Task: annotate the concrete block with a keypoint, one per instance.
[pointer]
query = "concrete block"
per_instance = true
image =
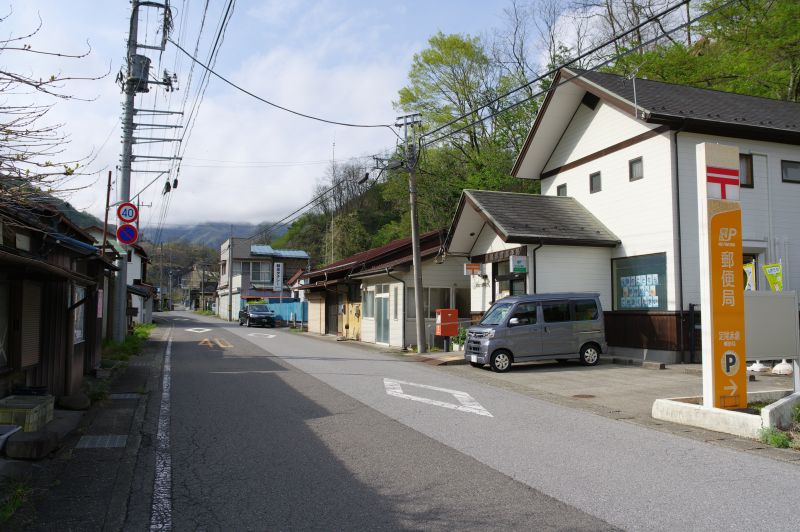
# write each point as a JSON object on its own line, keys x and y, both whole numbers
{"x": 64, "y": 423}
{"x": 78, "y": 401}
{"x": 31, "y": 445}
{"x": 649, "y": 364}
{"x": 779, "y": 413}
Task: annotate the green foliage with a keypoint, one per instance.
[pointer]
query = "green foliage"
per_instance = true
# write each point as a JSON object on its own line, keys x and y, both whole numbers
{"x": 796, "y": 414}
{"x": 14, "y": 494}
{"x": 205, "y": 312}
{"x": 132, "y": 345}
{"x": 97, "y": 390}
{"x": 461, "y": 337}
{"x": 751, "y": 47}
{"x": 775, "y": 437}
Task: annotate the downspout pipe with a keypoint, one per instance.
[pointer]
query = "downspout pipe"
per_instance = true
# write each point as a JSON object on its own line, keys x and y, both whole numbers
{"x": 404, "y": 304}
{"x": 679, "y": 247}
{"x": 533, "y": 265}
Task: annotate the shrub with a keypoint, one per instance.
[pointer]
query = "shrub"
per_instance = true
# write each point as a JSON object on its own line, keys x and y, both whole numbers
{"x": 13, "y": 495}
{"x": 461, "y": 337}
{"x": 796, "y": 414}
{"x": 775, "y": 438}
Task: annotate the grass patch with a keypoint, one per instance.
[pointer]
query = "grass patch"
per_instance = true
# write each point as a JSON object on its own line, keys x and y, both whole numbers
{"x": 205, "y": 312}
{"x": 14, "y": 493}
{"x": 775, "y": 438}
{"x": 757, "y": 406}
{"x": 97, "y": 389}
{"x": 132, "y": 345}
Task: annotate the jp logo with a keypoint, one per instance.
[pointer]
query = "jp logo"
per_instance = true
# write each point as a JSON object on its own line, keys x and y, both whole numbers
{"x": 730, "y": 363}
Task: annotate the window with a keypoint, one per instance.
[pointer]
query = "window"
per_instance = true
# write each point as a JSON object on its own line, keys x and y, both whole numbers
{"x": 790, "y": 171}
{"x": 369, "y": 304}
{"x": 585, "y": 310}
{"x": 354, "y": 293}
{"x": 525, "y": 313}
{"x": 259, "y": 271}
{"x": 255, "y": 271}
{"x": 432, "y": 298}
{"x": 640, "y": 283}
{"x": 594, "y": 183}
{"x": 555, "y": 311}
{"x": 746, "y": 170}
{"x": 223, "y": 268}
{"x": 561, "y": 190}
{"x": 394, "y": 298}
{"x": 635, "y": 169}
{"x": 130, "y": 255}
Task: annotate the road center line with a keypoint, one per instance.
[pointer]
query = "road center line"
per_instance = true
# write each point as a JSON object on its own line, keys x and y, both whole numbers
{"x": 161, "y": 512}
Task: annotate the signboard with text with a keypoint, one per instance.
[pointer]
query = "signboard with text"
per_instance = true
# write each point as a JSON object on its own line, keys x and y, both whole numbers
{"x": 721, "y": 279}
{"x": 277, "y": 276}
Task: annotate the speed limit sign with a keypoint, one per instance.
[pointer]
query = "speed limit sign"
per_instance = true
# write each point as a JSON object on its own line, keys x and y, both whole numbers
{"x": 127, "y": 212}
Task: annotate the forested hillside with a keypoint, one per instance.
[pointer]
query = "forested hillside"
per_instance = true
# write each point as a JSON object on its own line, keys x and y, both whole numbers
{"x": 750, "y": 47}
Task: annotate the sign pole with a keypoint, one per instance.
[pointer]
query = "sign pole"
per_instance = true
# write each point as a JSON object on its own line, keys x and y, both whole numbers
{"x": 721, "y": 280}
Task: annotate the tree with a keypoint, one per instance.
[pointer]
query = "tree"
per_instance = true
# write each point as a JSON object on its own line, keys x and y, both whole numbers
{"x": 31, "y": 164}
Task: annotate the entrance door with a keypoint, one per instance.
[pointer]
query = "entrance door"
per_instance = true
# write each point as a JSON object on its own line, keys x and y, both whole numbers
{"x": 525, "y": 338}
{"x": 382, "y": 314}
{"x": 331, "y": 313}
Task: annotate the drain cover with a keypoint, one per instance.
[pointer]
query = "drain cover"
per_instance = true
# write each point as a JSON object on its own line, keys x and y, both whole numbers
{"x": 583, "y": 396}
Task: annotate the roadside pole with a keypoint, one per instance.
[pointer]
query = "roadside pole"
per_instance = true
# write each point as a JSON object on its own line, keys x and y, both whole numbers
{"x": 124, "y": 188}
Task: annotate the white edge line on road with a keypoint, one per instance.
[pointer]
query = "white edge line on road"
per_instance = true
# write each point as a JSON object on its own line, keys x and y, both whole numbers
{"x": 468, "y": 403}
{"x": 161, "y": 513}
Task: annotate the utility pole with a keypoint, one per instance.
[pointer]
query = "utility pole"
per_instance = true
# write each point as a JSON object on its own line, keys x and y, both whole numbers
{"x": 230, "y": 276}
{"x": 203, "y": 287}
{"x": 105, "y": 222}
{"x": 124, "y": 189}
{"x": 136, "y": 79}
{"x": 407, "y": 122}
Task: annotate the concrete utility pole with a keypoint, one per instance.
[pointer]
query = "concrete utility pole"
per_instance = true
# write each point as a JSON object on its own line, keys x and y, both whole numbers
{"x": 124, "y": 188}
{"x": 230, "y": 276}
{"x": 408, "y": 122}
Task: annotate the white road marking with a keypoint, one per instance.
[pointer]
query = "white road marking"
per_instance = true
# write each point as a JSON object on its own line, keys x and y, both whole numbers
{"x": 257, "y": 372}
{"x": 161, "y": 511}
{"x": 466, "y": 402}
{"x": 179, "y": 319}
{"x": 262, "y": 335}
{"x": 197, "y": 330}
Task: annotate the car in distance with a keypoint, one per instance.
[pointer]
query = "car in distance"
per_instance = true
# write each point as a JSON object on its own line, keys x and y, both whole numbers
{"x": 525, "y": 328}
{"x": 256, "y": 315}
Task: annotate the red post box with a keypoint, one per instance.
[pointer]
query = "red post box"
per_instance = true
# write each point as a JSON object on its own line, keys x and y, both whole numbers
{"x": 446, "y": 322}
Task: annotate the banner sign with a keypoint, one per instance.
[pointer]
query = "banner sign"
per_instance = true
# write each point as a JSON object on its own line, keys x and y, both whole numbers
{"x": 277, "y": 276}
{"x": 472, "y": 268}
{"x": 721, "y": 280}
{"x": 750, "y": 276}
{"x": 518, "y": 264}
{"x": 774, "y": 275}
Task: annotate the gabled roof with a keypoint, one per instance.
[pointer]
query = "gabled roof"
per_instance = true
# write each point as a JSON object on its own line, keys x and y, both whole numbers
{"x": 390, "y": 255}
{"x": 528, "y": 219}
{"x": 658, "y": 103}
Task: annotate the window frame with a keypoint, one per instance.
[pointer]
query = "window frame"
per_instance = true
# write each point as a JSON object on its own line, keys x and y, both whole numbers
{"x": 560, "y": 188}
{"x": 783, "y": 173}
{"x": 599, "y": 182}
{"x": 747, "y": 158}
{"x": 631, "y": 163}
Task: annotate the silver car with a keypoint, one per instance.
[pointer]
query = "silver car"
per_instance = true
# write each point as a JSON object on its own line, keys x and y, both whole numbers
{"x": 541, "y": 326}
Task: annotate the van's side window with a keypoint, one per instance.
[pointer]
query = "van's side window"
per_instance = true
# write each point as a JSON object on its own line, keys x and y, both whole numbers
{"x": 555, "y": 311}
{"x": 525, "y": 313}
{"x": 585, "y": 310}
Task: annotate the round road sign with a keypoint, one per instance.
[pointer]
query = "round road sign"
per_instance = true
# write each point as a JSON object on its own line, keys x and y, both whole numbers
{"x": 127, "y": 234}
{"x": 127, "y": 212}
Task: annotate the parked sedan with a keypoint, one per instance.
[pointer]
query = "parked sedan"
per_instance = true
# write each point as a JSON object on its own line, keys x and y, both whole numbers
{"x": 259, "y": 315}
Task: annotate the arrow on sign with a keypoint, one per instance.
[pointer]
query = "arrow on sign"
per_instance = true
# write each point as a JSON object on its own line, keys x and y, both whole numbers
{"x": 732, "y": 387}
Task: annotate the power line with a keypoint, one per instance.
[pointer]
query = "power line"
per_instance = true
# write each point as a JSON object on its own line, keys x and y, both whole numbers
{"x": 578, "y": 75}
{"x": 259, "y": 98}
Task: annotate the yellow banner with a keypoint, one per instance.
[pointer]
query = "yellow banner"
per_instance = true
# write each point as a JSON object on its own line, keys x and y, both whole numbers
{"x": 774, "y": 275}
{"x": 727, "y": 300}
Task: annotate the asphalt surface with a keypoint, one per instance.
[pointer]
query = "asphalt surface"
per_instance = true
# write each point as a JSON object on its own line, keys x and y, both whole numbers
{"x": 269, "y": 431}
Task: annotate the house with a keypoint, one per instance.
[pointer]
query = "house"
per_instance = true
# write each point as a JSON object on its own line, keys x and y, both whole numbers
{"x": 199, "y": 285}
{"x": 625, "y": 150}
{"x": 51, "y": 293}
{"x": 369, "y": 296}
{"x": 254, "y": 271}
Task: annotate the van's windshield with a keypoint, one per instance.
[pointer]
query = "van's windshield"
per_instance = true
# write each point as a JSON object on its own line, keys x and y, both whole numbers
{"x": 496, "y": 314}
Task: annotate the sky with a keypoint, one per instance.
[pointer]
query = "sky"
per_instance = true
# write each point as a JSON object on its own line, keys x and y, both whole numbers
{"x": 243, "y": 161}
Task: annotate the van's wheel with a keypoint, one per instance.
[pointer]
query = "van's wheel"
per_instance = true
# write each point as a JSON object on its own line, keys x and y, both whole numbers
{"x": 500, "y": 361}
{"x": 590, "y": 355}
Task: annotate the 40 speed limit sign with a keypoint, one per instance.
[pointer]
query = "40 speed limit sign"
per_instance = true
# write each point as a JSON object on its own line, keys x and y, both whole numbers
{"x": 127, "y": 212}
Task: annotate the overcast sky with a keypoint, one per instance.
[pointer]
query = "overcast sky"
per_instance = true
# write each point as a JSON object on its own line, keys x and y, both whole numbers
{"x": 244, "y": 161}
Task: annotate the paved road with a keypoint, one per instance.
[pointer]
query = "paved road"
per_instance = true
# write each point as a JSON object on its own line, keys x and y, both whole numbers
{"x": 285, "y": 431}
{"x": 259, "y": 444}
